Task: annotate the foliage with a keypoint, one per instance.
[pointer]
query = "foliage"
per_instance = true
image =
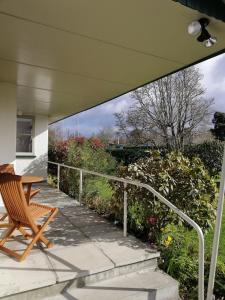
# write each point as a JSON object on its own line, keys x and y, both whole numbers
{"x": 184, "y": 182}
{"x": 90, "y": 154}
{"x": 166, "y": 111}
{"x": 179, "y": 259}
{"x": 210, "y": 153}
{"x": 128, "y": 155}
{"x": 52, "y": 180}
{"x": 138, "y": 213}
{"x": 219, "y": 126}
{"x": 98, "y": 195}
{"x": 87, "y": 154}
{"x": 57, "y": 151}
{"x": 209, "y": 240}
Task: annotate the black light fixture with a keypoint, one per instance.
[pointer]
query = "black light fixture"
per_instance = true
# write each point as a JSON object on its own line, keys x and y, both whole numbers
{"x": 199, "y": 27}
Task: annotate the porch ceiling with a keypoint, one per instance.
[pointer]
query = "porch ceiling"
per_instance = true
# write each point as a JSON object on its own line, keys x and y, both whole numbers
{"x": 66, "y": 56}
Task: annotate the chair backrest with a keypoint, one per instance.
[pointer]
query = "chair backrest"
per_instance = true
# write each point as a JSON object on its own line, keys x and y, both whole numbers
{"x": 12, "y": 193}
{"x": 7, "y": 168}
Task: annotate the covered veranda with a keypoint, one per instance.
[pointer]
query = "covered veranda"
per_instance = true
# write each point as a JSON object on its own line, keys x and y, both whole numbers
{"x": 58, "y": 58}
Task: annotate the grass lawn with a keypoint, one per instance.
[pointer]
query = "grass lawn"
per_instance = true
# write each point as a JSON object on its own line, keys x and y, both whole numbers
{"x": 209, "y": 240}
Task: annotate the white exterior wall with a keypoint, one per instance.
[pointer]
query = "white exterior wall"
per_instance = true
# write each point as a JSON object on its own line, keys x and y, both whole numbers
{"x": 37, "y": 164}
{"x": 7, "y": 123}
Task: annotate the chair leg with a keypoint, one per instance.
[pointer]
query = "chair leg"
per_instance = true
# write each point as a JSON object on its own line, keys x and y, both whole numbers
{"x": 24, "y": 233}
{"x": 7, "y": 234}
{"x": 4, "y": 217}
{"x": 38, "y": 235}
{"x": 38, "y": 230}
{"x": 43, "y": 239}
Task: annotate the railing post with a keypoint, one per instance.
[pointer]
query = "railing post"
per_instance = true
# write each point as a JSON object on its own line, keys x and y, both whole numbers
{"x": 217, "y": 232}
{"x": 125, "y": 210}
{"x": 201, "y": 263}
{"x": 58, "y": 176}
{"x": 81, "y": 187}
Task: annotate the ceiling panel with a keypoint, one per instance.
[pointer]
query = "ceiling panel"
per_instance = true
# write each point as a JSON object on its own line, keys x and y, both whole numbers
{"x": 66, "y": 56}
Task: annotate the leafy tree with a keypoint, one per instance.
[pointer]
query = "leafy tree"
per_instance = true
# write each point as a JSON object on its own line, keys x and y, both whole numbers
{"x": 168, "y": 110}
{"x": 219, "y": 126}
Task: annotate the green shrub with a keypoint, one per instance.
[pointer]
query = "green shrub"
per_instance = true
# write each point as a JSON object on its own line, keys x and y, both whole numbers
{"x": 98, "y": 194}
{"x": 90, "y": 155}
{"x": 87, "y": 154}
{"x": 185, "y": 183}
{"x": 57, "y": 151}
{"x": 179, "y": 258}
{"x": 210, "y": 153}
{"x": 219, "y": 288}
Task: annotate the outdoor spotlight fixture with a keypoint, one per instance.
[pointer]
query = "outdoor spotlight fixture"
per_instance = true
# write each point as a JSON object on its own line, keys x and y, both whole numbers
{"x": 199, "y": 28}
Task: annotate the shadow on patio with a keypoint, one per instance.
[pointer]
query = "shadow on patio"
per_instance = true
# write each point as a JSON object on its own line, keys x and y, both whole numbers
{"x": 84, "y": 244}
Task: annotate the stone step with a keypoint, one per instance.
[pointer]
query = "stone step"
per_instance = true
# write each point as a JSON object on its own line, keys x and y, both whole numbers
{"x": 140, "y": 285}
{"x": 80, "y": 280}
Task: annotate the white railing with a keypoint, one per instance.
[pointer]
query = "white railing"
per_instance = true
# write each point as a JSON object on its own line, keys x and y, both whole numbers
{"x": 162, "y": 199}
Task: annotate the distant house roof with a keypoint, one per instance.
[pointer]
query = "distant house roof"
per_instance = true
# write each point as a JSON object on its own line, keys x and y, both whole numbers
{"x": 212, "y": 8}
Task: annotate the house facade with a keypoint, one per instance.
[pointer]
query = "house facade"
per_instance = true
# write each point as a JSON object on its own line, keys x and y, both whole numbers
{"x": 24, "y": 137}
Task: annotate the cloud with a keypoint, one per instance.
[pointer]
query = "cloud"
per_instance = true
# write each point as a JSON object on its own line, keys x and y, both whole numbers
{"x": 214, "y": 80}
{"x": 91, "y": 121}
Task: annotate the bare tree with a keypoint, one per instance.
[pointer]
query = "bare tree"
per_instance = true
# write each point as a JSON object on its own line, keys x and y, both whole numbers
{"x": 107, "y": 135}
{"x": 168, "y": 110}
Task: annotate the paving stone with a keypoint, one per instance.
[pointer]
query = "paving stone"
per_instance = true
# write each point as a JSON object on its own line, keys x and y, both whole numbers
{"x": 76, "y": 261}
{"x": 33, "y": 273}
{"x": 84, "y": 244}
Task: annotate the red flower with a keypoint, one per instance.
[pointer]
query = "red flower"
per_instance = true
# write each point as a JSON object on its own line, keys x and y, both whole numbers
{"x": 96, "y": 143}
{"x": 152, "y": 220}
{"x": 79, "y": 139}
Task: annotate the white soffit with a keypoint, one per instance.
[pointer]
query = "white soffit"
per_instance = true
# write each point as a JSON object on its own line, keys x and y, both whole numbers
{"x": 66, "y": 56}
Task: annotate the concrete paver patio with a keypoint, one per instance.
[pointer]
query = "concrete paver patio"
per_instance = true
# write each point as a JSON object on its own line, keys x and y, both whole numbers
{"x": 84, "y": 244}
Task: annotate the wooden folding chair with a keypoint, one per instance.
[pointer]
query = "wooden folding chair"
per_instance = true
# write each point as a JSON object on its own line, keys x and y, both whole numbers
{"x": 9, "y": 168}
{"x": 22, "y": 215}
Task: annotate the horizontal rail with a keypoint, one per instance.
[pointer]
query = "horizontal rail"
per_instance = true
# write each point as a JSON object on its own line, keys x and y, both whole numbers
{"x": 164, "y": 201}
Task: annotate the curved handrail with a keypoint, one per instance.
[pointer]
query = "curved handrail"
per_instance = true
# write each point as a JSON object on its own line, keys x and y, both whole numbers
{"x": 163, "y": 200}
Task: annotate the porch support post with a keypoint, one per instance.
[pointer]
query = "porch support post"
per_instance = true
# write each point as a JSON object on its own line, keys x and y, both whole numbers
{"x": 216, "y": 238}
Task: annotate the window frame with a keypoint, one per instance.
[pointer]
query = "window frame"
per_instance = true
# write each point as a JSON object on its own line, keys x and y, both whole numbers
{"x": 27, "y": 154}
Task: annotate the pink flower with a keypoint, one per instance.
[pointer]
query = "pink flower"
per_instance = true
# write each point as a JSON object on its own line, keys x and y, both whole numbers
{"x": 152, "y": 220}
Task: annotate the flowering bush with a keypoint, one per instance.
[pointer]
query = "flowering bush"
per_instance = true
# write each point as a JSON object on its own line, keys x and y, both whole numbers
{"x": 58, "y": 151}
{"x": 184, "y": 182}
{"x": 87, "y": 154}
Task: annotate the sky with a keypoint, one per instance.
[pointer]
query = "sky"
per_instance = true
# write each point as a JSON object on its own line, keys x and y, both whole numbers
{"x": 90, "y": 122}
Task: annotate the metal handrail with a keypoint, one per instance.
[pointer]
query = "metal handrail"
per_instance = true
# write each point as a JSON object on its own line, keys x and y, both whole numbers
{"x": 201, "y": 251}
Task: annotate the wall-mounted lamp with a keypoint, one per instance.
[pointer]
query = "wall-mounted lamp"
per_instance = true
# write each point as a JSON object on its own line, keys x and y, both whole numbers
{"x": 199, "y": 28}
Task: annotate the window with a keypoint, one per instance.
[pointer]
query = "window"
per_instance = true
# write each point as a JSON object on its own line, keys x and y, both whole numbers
{"x": 24, "y": 135}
